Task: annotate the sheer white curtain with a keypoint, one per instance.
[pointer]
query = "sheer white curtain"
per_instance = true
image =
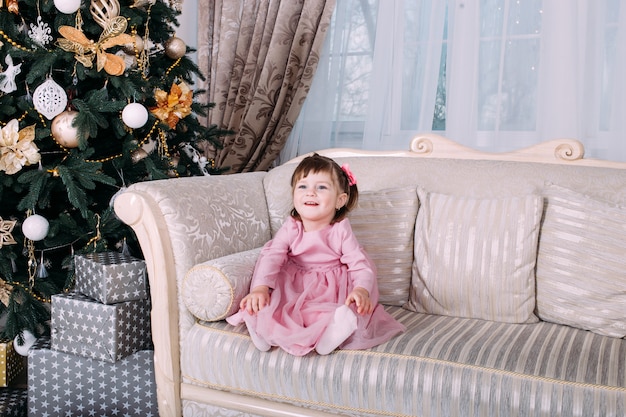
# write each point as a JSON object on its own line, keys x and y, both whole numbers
{"x": 495, "y": 75}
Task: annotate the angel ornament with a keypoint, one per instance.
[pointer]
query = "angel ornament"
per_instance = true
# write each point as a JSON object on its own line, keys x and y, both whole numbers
{"x": 7, "y": 78}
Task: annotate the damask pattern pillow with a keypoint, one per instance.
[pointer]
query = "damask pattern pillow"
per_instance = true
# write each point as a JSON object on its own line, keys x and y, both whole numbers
{"x": 212, "y": 290}
{"x": 475, "y": 258}
{"x": 384, "y": 224}
{"x": 581, "y": 264}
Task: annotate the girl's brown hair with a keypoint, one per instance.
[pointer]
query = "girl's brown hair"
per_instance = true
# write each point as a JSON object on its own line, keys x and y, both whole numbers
{"x": 318, "y": 163}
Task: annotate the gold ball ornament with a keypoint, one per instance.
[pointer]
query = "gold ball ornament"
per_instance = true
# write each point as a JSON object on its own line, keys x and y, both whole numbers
{"x": 175, "y": 48}
{"x": 63, "y": 132}
{"x": 134, "y": 47}
{"x": 137, "y": 155}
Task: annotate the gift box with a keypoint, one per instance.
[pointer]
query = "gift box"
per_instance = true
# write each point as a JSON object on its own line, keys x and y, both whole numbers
{"x": 11, "y": 363}
{"x": 86, "y": 327}
{"x": 111, "y": 277}
{"x": 61, "y": 384}
{"x": 13, "y": 402}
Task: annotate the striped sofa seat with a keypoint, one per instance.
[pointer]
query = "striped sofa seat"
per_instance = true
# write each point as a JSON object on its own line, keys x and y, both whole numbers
{"x": 442, "y": 366}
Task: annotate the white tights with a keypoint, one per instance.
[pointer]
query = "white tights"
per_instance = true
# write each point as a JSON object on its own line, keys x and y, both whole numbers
{"x": 340, "y": 328}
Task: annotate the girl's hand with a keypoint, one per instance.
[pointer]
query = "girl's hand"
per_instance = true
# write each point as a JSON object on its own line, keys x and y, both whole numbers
{"x": 361, "y": 297}
{"x": 258, "y": 298}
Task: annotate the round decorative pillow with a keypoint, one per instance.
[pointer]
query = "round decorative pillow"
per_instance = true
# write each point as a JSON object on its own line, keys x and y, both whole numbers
{"x": 212, "y": 290}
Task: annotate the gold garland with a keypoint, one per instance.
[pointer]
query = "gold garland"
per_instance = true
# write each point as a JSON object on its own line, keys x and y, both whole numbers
{"x": 142, "y": 57}
{"x": 143, "y": 141}
{"x": 23, "y": 116}
{"x": 13, "y": 43}
{"x": 31, "y": 292}
{"x": 172, "y": 67}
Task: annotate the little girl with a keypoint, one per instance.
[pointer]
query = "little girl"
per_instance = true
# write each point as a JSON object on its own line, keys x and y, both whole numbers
{"x": 313, "y": 286}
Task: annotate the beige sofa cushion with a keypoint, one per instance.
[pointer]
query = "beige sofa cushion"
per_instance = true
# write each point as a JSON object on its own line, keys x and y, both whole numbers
{"x": 384, "y": 224}
{"x": 212, "y": 290}
{"x": 581, "y": 264}
{"x": 475, "y": 258}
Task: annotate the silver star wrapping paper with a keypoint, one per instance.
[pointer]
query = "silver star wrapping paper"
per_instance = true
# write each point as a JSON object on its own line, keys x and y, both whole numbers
{"x": 86, "y": 327}
{"x": 111, "y": 277}
{"x": 61, "y": 384}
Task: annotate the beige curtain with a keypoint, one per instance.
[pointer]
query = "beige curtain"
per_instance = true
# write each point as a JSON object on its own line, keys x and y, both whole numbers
{"x": 259, "y": 57}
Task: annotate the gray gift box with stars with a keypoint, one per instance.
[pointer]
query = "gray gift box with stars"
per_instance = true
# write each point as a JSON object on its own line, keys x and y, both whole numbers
{"x": 85, "y": 327}
{"x": 61, "y": 384}
{"x": 111, "y": 277}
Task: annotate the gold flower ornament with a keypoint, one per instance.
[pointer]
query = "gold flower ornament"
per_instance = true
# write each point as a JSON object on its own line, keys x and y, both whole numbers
{"x": 17, "y": 148}
{"x": 174, "y": 106}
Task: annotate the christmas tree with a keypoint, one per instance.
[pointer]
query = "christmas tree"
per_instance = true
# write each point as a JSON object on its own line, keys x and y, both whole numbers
{"x": 94, "y": 96}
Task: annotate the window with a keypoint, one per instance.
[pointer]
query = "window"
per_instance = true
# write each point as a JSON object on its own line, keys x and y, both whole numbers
{"x": 495, "y": 75}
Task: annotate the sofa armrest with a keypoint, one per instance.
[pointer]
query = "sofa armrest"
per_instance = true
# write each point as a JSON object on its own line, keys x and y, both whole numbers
{"x": 139, "y": 212}
{"x": 213, "y": 289}
{"x": 180, "y": 223}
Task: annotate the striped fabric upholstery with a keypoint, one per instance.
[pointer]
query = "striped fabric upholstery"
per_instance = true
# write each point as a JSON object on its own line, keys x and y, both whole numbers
{"x": 442, "y": 366}
{"x": 384, "y": 224}
{"x": 475, "y": 258}
{"x": 581, "y": 262}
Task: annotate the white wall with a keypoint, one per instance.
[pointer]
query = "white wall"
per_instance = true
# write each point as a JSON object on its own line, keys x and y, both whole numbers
{"x": 188, "y": 29}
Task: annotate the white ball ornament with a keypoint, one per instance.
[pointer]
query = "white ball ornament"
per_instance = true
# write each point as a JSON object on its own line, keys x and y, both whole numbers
{"x": 134, "y": 115}
{"x": 35, "y": 227}
{"x": 29, "y": 341}
{"x": 62, "y": 130}
{"x": 67, "y": 6}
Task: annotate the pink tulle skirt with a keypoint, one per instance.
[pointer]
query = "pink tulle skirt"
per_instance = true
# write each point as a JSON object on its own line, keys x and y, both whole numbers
{"x": 302, "y": 306}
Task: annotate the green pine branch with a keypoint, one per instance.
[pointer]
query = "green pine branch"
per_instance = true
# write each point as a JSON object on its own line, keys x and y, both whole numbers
{"x": 79, "y": 175}
{"x": 38, "y": 194}
{"x": 24, "y": 312}
{"x": 92, "y": 114}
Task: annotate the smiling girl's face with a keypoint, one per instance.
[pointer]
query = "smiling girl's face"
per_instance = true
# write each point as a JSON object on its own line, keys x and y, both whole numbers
{"x": 316, "y": 198}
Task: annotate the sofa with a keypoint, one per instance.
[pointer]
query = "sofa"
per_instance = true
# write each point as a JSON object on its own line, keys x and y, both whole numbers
{"x": 507, "y": 269}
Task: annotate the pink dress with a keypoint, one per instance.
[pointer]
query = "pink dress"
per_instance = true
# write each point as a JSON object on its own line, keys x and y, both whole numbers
{"x": 310, "y": 275}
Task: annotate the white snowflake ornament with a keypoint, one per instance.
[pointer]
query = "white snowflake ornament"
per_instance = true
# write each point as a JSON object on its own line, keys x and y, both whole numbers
{"x": 40, "y": 33}
{"x": 7, "y": 83}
